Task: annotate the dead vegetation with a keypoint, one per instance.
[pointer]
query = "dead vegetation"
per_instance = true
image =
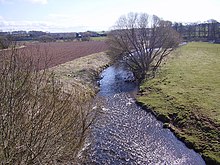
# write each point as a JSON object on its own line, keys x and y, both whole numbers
{"x": 40, "y": 123}
{"x": 82, "y": 72}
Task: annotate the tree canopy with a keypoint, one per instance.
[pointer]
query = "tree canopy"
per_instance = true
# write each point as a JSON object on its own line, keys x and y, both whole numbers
{"x": 142, "y": 41}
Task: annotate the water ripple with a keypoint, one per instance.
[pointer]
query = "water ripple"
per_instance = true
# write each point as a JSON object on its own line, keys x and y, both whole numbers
{"x": 125, "y": 134}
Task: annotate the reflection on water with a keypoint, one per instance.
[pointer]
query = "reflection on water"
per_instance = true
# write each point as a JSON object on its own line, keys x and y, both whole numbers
{"x": 116, "y": 80}
{"x": 126, "y": 134}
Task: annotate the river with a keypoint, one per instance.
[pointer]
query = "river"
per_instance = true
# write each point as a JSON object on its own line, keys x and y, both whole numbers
{"x": 125, "y": 134}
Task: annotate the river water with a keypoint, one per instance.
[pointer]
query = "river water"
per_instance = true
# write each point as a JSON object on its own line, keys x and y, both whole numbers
{"x": 125, "y": 134}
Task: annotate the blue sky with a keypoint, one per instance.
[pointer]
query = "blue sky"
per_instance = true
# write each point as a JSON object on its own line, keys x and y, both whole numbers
{"x": 83, "y": 15}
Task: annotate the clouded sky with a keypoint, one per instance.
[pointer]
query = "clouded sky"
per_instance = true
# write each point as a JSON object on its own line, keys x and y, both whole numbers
{"x": 83, "y": 15}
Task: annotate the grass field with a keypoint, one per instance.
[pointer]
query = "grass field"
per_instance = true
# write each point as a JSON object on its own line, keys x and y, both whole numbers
{"x": 185, "y": 94}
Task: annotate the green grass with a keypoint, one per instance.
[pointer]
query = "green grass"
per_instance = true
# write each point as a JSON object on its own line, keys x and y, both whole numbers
{"x": 187, "y": 91}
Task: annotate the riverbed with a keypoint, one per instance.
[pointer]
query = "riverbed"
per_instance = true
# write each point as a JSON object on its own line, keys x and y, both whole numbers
{"x": 126, "y": 134}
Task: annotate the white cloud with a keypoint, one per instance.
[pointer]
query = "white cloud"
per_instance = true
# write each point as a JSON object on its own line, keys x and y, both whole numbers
{"x": 22, "y": 25}
{"x": 39, "y": 26}
{"x": 54, "y": 22}
{"x": 38, "y": 1}
{"x": 67, "y": 20}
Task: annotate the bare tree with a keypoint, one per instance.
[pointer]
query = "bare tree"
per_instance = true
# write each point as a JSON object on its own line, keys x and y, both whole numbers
{"x": 142, "y": 41}
{"x": 39, "y": 122}
{"x": 213, "y": 29}
{"x": 6, "y": 42}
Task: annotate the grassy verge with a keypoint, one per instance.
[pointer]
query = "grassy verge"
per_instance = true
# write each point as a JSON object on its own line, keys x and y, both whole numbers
{"x": 82, "y": 72}
{"x": 185, "y": 95}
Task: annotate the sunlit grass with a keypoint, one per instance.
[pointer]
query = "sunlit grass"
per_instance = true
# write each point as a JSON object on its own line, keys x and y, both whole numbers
{"x": 192, "y": 78}
{"x": 186, "y": 91}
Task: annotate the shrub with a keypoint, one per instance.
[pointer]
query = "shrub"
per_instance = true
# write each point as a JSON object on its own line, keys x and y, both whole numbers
{"x": 39, "y": 122}
{"x": 5, "y": 42}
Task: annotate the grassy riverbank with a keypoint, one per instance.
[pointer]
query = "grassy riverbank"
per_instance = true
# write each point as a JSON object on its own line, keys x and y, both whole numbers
{"x": 82, "y": 71}
{"x": 185, "y": 95}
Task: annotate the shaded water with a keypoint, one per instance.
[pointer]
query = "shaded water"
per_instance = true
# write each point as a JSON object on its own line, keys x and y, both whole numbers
{"x": 126, "y": 134}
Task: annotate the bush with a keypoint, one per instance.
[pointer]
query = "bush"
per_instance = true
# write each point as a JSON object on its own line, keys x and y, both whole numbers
{"x": 5, "y": 42}
{"x": 39, "y": 122}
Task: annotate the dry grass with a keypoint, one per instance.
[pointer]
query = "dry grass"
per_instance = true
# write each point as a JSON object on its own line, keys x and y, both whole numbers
{"x": 82, "y": 71}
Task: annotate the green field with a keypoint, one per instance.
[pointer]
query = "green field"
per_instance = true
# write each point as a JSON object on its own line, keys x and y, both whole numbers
{"x": 186, "y": 95}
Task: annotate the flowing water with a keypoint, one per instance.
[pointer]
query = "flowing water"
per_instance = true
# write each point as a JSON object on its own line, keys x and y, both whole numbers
{"x": 125, "y": 134}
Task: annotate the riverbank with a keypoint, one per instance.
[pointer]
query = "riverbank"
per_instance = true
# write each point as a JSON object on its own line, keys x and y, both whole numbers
{"x": 82, "y": 72}
{"x": 185, "y": 96}
{"x": 80, "y": 76}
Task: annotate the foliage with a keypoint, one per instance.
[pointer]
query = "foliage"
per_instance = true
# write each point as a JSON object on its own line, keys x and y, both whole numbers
{"x": 39, "y": 122}
{"x": 142, "y": 42}
{"x": 186, "y": 92}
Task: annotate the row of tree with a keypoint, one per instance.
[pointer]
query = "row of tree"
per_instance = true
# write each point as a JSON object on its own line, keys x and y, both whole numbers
{"x": 142, "y": 41}
{"x": 209, "y": 31}
{"x": 50, "y": 37}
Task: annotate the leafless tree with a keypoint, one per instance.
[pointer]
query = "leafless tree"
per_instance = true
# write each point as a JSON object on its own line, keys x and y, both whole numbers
{"x": 213, "y": 29}
{"x": 6, "y": 42}
{"x": 142, "y": 42}
{"x": 39, "y": 122}
{"x": 197, "y": 31}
